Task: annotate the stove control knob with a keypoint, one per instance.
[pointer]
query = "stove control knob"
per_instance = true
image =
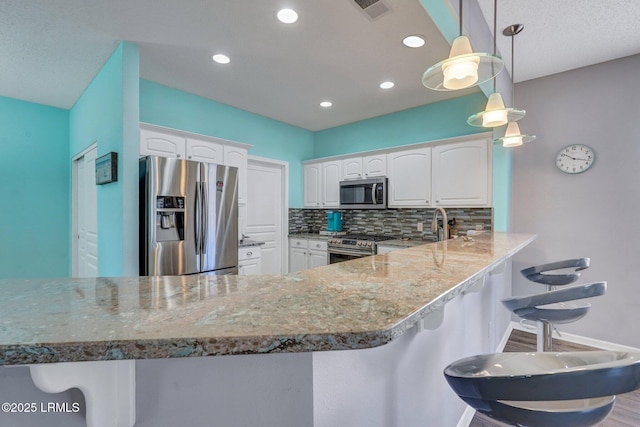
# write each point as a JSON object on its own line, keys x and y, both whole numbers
{"x": 370, "y": 244}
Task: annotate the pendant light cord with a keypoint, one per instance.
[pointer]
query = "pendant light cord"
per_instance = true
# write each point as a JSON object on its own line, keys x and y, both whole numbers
{"x": 513, "y": 73}
{"x": 460, "y": 18}
{"x": 495, "y": 50}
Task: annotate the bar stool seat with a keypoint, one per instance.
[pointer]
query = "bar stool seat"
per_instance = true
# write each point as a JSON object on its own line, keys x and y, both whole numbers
{"x": 540, "y": 273}
{"x": 570, "y": 389}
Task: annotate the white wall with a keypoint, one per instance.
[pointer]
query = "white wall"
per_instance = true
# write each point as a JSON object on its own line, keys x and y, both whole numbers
{"x": 596, "y": 213}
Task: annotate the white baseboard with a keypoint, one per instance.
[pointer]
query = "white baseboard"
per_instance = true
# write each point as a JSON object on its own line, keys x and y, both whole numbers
{"x": 467, "y": 417}
{"x": 578, "y": 339}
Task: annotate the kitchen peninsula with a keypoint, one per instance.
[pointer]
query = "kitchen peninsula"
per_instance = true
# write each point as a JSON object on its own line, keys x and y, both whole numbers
{"x": 383, "y": 301}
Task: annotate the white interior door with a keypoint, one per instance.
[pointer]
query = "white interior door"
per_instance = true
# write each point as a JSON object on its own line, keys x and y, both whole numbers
{"x": 267, "y": 214}
{"x": 86, "y": 215}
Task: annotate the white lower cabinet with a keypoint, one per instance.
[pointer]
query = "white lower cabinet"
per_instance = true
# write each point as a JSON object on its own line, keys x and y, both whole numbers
{"x": 249, "y": 261}
{"x": 304, "y": 253}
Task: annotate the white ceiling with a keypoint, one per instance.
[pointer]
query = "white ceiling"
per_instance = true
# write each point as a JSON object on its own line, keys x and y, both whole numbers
{"x": 562, "y": 35}
{"x": 51, "y": 49}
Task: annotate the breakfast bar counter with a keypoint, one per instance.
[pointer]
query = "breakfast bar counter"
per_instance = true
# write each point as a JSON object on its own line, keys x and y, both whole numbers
{"x": 358, "y": 304}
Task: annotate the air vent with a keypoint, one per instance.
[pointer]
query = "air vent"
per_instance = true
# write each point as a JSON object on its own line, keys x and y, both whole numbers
{"x": 373, "y": 8}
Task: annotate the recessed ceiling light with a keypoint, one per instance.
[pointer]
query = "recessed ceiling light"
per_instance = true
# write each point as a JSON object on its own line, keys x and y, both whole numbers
{"x": 387, "y": 85}
{"x": 413, "y": 41}
{"x": 287, "y": 16}
{"x": 326, "y": 104}
{"x": 221, "y": 59}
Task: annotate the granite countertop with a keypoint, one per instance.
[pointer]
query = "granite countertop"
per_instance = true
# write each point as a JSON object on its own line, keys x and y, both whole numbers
{"x": 314, "y": 236}
{"x": 400, "y": 243}
{"x": 245, "y": 243}
{"x": 361, "y": 303}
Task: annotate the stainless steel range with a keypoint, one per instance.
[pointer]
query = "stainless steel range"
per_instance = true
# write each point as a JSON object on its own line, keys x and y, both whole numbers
{"x": 352, "y": 246}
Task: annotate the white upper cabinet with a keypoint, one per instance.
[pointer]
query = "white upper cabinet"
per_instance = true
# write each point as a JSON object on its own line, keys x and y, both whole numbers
{"x": 312, "y": 181}
{"x": 461, "y": 174}
{"x": 352, "y": 168}
{"x": 331, "y": 176}
{"x": 363, "y": 167}
{"x": 236, "y": 156}
{"x": 158, "y": 141}
{"x": 161, "y": 144}
{"x": 204, "y": 151}
{"x": 375, "y": 165}
{"x": 409, "y": 174}
{"x": 322, "y": 184}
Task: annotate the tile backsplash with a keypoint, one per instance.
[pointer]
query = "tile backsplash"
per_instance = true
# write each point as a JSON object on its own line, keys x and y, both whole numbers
{"x": 389, "y": 222}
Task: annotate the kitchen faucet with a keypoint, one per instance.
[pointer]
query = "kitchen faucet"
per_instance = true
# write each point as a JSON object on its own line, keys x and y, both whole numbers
{"x": 434, "y": 224}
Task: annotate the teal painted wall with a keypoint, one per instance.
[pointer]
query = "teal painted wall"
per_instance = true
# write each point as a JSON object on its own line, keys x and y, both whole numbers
{"x": 427, "y": 123}
{"x": 107, "y": 113}
{"x": 165, "y": 106}
{"x": 502, "y": 159}
{"x": 34, "y": 183}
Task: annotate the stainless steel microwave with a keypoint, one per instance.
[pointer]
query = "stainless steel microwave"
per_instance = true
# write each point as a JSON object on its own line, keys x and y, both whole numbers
{"x": 364, "y": 194}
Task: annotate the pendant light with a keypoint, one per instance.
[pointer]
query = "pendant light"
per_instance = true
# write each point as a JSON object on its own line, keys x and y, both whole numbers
{"x": 495, "y": 113}
{"x": 463, "y": 68}
{"x": 512, "y": 136}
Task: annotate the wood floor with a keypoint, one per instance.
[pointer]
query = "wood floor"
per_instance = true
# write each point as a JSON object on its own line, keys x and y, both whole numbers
{"x": 626, "y": 411}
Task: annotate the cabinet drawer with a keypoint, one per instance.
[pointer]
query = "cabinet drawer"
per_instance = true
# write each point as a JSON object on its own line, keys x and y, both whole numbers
{"x": 298, "y": 243}
{"x": 318, "y": 245}
{"x": 248, "y": 253}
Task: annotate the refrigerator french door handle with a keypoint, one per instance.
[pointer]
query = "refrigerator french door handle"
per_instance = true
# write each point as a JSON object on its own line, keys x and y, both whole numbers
{"x": 197, "y": 218}
{"x": 205, "y": 217}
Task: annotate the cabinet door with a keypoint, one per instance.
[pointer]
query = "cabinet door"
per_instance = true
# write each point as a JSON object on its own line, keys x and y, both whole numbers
{"x": 317, "y": 258}
{"x": 297, "y": 259}
{"x": 375, "y": 165}
{"x": 386, "y": 249}
{"x": 409, "y": 178}
{"x": 204, "y": 151}
{"x": 234, "y": 156}
{"x": 249, "y": 267}
{"x": 352, "y": 168}
{"x": 461, "y": 174}
{"x": 331, "y": 176}
{"x": 159, "y": 144}
{"x": 312, "y": 181}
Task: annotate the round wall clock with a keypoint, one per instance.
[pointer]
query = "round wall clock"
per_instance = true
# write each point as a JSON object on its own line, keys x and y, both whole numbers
{"x": 575, "y": 158}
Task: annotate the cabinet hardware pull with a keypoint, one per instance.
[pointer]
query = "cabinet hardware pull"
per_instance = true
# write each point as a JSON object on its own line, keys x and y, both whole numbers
{"x": 249, "y": 253}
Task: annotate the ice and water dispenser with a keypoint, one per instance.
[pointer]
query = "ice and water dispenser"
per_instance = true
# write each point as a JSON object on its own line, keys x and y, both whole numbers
{"x": 169, "y": 218}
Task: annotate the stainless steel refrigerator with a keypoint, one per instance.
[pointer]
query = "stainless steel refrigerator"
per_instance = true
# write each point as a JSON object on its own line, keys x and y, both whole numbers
{"x": 188, "y": 217}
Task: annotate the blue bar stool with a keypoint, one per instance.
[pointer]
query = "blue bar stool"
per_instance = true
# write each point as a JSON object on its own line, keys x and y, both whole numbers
{"x": 569, "y": 389}
{"x": 551, "y": 275}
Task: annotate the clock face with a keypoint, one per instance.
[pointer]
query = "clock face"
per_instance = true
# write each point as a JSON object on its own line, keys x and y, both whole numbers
{"x": 574, "y": 158}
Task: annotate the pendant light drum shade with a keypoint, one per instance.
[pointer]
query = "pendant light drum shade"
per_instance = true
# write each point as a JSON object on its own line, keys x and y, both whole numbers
{"x": 513, "y": 137}
{"x": 462, "y": 69}
{"x": 495, "y": 114}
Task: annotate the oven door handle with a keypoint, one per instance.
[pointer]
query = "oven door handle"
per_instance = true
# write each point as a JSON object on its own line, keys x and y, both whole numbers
{"x": 348, "y": 252}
